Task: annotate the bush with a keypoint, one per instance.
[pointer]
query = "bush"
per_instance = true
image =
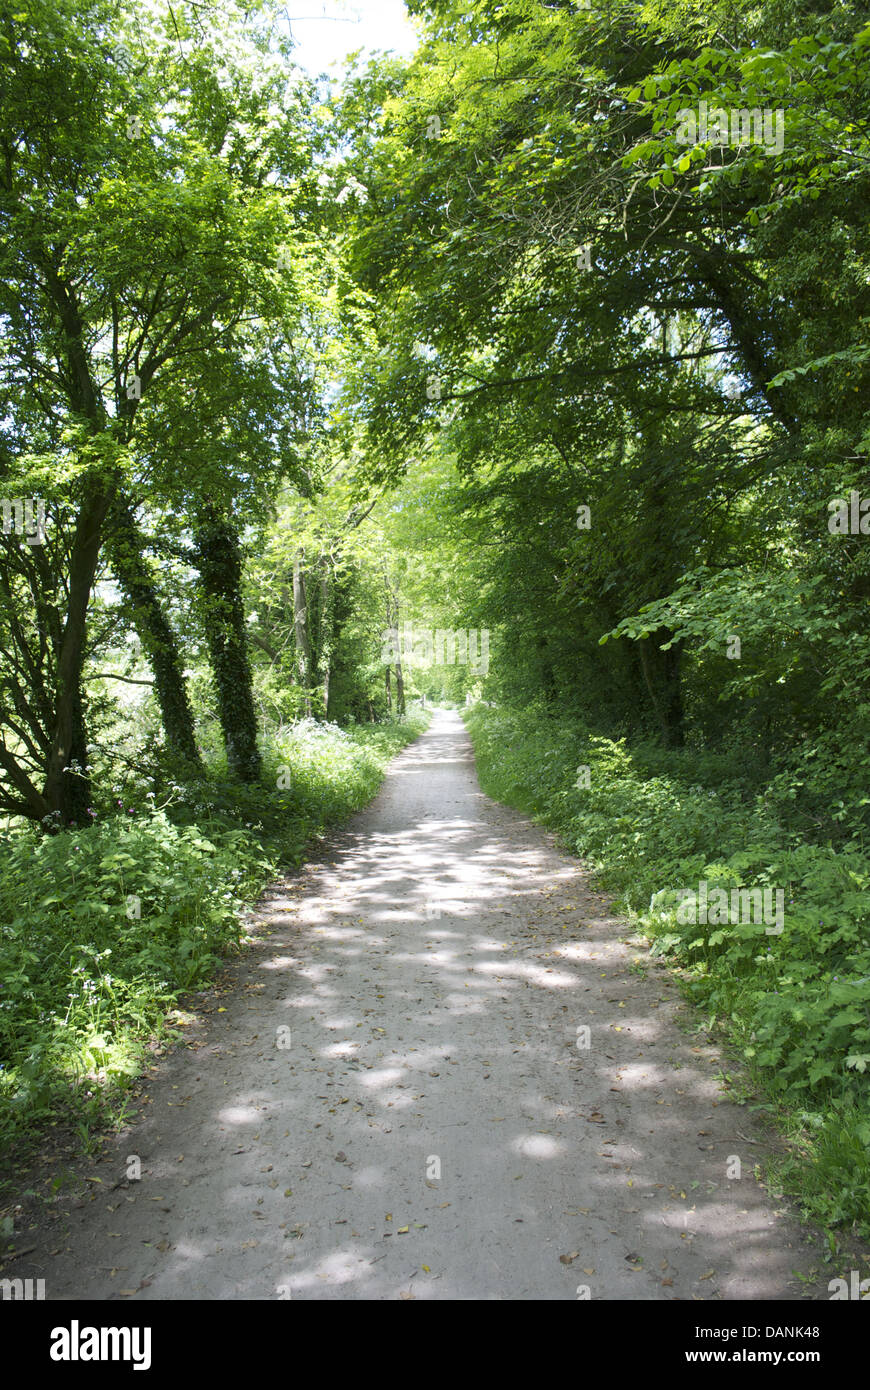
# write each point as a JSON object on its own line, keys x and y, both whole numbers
{"x": 797, "y": 1004}
{"x": 102, "y": 929}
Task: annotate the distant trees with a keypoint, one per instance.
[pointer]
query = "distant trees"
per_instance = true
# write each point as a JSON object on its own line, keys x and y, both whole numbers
{"x": 587, "y": 311}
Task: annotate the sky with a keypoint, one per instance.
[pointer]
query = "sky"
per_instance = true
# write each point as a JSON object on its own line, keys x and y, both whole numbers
{"x": 325, "y": 31}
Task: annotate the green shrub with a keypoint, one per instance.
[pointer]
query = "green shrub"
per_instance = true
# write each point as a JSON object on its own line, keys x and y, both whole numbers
{"x": 796, "y": 1004}
{"x": 102, "y": 929}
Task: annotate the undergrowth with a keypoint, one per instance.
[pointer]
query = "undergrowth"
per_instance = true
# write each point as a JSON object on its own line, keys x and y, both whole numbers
{"x": 102, "y": 929}
{"x": 794, "y": 1003}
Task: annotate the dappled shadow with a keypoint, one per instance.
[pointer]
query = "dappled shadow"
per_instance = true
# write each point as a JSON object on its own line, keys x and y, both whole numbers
{"x": 404, "y": 1082}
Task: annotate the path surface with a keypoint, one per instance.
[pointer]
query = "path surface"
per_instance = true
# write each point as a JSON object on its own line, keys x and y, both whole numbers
{"x": 433, "y": 972}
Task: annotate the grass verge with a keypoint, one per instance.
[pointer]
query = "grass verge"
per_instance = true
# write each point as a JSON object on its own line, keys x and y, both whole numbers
{"x": 795, "y": 1004}
{"x": 101, "y": 930}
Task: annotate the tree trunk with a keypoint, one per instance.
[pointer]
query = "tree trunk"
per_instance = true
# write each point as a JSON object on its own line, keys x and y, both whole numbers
{"x": 661, "y": 673}
{"x": 400, "y": 690}
{"x": 324, "y": 659}
{"x": 67, "y": 793}
{"x": 220, "y": 567}
{"x": 300, "y": 628}
{"x": 125, "y": 547}
{"x": 389, "y": 692}
{"x": 548, "y": 679}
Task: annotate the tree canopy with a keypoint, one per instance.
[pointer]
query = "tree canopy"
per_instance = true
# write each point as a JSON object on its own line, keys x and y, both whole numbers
{"x": 531, "y": 371}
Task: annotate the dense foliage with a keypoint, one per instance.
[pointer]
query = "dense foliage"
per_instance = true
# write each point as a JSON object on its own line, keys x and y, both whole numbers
{"x": 794, "y": 1004}
{"x": 534, "y": 369}
{"x": 103, "y": 929}
{"x": 623, "y": 252}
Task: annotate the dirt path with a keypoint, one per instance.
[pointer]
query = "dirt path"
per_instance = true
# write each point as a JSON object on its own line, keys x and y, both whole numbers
{"x": 433, "y": 973}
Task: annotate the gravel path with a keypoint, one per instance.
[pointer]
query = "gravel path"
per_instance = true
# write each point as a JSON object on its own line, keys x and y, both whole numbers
{"x": 389, "y": 1098}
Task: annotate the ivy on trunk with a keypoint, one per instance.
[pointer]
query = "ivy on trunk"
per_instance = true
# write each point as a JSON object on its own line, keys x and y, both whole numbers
{"x": 218, "y": 559}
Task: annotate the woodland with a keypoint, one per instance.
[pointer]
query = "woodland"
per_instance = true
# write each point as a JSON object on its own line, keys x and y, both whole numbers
{"x": 484, "y": 379}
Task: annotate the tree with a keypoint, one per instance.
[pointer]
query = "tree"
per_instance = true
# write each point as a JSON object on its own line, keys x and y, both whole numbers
{"x": 142, "y": 242}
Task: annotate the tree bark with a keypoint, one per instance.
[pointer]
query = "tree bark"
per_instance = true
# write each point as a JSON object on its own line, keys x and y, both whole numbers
{"x": 324, "y": 658}
{"x": 220, "y": 567}
{"x": 66, "y": 792}
{"x": 159, "y": 642}
{"x": 400, "y": 689}
{"x": 300, "y": 628}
